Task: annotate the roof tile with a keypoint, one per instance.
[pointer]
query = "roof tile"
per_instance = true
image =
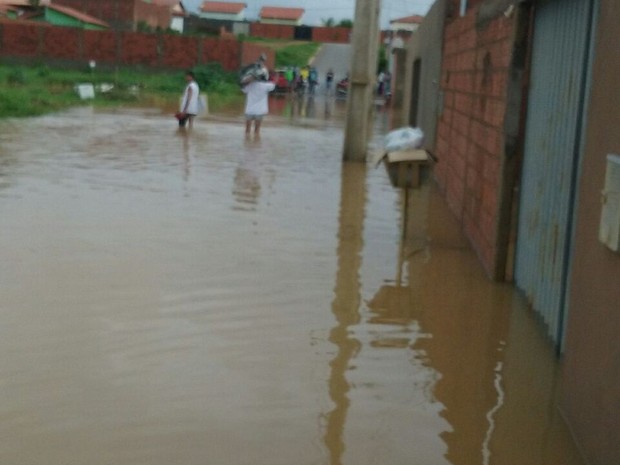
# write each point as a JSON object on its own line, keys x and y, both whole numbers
{"x": 273, "y": 12}
{"x": 223, "y": 7}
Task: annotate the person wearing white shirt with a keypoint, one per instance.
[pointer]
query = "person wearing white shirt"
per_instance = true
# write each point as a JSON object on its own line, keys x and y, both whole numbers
{"x": 189, "y": 102}
{"x": 256, "y": 102}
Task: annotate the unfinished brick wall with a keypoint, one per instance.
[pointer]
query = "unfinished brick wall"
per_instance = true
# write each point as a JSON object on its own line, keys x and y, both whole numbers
{"x": 21, "y": 40}
{"x": 179, "y": 51}
{"x": 139, "y": 49}
{"x": 250, "y": 52}
{"x": 61, "y": 43}
{"x": 339, "y": 35}
{"x": 272, "y": 31}
{"x": 43, "y": 43}
{"x": 470, "y": 133}
{"x": 224, "y": 51}
{"x": 99, "y": 46}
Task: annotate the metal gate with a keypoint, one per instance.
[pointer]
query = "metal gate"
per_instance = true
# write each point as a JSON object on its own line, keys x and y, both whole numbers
{"x": 560, "y": 70}
{"x": 302, "y": 33}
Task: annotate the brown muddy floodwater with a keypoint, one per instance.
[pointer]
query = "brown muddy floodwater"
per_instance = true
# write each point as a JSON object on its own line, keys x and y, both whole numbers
{"x": 202, "y": 299}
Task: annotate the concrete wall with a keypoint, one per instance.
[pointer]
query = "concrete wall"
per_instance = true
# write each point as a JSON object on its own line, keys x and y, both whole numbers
{"x": 591, "y": 367}
{"x": 41, "y": 43}
{"x": 426, "y": 46}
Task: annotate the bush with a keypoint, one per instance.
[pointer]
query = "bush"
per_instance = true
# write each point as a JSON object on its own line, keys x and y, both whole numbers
{"x": 16, "y": 77}
{"x": 213, "y": 76}
{"x": 43, "y": 72}
{"x": 296, "y": 55}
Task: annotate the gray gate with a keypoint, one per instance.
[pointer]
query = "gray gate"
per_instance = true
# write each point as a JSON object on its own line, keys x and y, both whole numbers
{"x": 559, "y": 86}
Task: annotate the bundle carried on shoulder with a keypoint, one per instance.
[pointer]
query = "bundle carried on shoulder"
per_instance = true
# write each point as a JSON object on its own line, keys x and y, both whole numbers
{"x": 254, "y": 71}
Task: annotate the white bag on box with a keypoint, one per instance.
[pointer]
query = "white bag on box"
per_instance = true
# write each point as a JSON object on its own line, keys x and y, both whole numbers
{"x": 404, "y": 139}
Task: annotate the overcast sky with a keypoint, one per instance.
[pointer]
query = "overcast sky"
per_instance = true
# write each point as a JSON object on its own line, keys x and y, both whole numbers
{"x": 318, "y": 10}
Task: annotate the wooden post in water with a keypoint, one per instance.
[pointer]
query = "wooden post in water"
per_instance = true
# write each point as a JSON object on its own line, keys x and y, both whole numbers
{"x": 361, "y": 79}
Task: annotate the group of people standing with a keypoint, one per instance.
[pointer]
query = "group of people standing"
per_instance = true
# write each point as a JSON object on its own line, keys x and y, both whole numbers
{"x": 302, "y": 79}
{"x": 257, "y": 86}
{"x": 254, "y": 85}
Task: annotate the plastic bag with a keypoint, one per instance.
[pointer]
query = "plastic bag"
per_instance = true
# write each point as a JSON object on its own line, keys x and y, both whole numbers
{"x": 404, "y": 139}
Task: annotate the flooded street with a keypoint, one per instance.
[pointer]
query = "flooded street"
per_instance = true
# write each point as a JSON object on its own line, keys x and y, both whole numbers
{"x": 188, "y": 299}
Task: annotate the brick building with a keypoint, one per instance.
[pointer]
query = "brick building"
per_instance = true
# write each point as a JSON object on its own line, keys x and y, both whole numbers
{"x": 517, "y": 100}
{"x": 128, "y": 14}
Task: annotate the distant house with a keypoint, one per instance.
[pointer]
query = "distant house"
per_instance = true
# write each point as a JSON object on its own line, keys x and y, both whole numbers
{"x": 226, "y": 11}
{"x": 406, "y": 24}
{"x": 14, "y": 9}
{"x": 128, "y": 14}
{"x": 156, "y": 14}
{"x": 281, "y": 15}
{"x": 8, "y": 11}
{"x": 178, "y": 17}
{"x": 47, "y": 12}
{"x": 65, "y": 16}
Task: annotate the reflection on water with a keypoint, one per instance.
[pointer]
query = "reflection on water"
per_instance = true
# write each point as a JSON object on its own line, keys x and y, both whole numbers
{"x": 346, "y": 304}
{"x": 247, "y": 176}
{"x": 191, "y": 297}
{"x": 308, "y": 109}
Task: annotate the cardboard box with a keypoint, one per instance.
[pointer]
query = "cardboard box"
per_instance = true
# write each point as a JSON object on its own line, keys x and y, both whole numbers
{"x": 404, "y": 166}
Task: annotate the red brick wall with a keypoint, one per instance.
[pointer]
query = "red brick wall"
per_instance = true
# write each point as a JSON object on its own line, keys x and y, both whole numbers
{"x": 42, "y": 42}
{"x": 251, "y": 51}
{"x": 21, "y": 40}
{"x": 224, "y": 51}
{"x": 61, "y": 43}
{"x": 179, "y": 51}
{"x": 99, "y": 46}
{"x": 139, "y": 49}
{"x": 331, "y": 34}
{"x": 470, "y": 134}
{"x": 272, "y": 31}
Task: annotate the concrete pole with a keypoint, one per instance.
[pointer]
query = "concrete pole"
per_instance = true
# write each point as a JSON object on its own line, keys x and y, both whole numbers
{"x": 363, "y": 66}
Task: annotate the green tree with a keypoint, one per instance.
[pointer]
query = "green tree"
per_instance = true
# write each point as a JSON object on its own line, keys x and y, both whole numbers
{"x": 345, "y": 23}
{"x": 382, "y": 61}
{"x": 329, "y": 22}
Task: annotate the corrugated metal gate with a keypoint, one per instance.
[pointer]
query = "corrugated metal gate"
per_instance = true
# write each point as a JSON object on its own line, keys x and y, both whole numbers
{"x": 560, "y": 71}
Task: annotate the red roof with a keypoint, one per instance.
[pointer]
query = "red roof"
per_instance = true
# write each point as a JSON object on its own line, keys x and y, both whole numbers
{"x": 223, "y": 7}
{"x": 274, "y": 12}
{"x": 77, "y": 15}
{"x": 169, "y": 3}
{"x": 19, "y": 2}
{"x": 415, "y": 19}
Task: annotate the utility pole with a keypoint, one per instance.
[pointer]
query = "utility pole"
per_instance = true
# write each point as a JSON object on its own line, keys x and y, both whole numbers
{"x": 363, "y": 66}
